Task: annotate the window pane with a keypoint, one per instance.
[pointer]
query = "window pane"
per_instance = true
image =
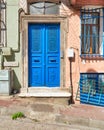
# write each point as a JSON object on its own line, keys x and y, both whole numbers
{"x": 44, "y": 8}
{"x": 37, "y": 8}
{"x": 86, "y": 38}
{"x": 51, "y": 8}
{"x": 101, "y": 83}
{"x": 90, "y": 18}
{"x": 94, "y": 30}
{"x": 92, "y": 89}
{"x": 89, "y": 83}
{"x": 95, "y": 45}
{"x": 90, "y": 33}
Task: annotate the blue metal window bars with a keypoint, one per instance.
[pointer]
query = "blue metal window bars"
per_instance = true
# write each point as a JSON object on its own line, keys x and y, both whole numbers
{"x": 92, "y": 88}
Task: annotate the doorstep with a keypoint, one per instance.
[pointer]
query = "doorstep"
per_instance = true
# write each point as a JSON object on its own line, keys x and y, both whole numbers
{"x": 46, "y": 93}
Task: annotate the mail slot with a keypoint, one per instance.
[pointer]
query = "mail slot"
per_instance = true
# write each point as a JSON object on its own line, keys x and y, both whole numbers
{"x": 36, "y": 60}
{"x": 53, "y": 61}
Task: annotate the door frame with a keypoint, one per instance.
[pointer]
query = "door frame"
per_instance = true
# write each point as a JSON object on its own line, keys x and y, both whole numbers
{"x": 44, "y": 66}
{"x": 25, "y": 20}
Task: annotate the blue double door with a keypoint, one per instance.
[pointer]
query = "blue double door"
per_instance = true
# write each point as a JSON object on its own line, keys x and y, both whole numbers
{"x": 44, "y": 55}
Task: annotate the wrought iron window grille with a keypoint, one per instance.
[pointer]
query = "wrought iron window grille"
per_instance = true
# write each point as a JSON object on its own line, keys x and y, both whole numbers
{"x": 92, "y": 33}
{"x": 92, "y": 88}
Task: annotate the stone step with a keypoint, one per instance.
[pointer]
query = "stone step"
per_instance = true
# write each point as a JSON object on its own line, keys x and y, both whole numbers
{"x": 46, "y": 94}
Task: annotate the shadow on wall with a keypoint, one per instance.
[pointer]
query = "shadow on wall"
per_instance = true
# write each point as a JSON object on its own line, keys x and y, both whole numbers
{"x": 16, "y": 84}
{"x": 91, "y": 71}
{"x": 11, "y": 57}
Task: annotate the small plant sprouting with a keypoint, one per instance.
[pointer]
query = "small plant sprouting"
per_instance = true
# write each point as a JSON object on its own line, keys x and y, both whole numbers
{"x": 17, "y": 115}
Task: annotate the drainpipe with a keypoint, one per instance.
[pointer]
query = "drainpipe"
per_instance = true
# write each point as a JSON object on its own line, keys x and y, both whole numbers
{"x": 19, "y": 14}
{"x": 71, "y": 84}
{"x": 71, "y": 56}
{"x": 1, "y": 59}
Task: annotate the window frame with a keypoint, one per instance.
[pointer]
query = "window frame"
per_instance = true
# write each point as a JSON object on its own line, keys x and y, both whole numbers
{"x": 30, "y": 3}
{"x": 91, "y": 25}
{"x": 86, "y": 80}
{"x": 97, "y": 51}
{"x": 92, "y": 88}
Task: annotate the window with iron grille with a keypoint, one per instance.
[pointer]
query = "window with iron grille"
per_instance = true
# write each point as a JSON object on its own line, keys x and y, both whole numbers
{"x": 92, "y": 88}
{"x": 2, "y": 23}
{"x": 92, "y": 28}
{"x": 92, "y": 82}
{"x": 44, "y": 8}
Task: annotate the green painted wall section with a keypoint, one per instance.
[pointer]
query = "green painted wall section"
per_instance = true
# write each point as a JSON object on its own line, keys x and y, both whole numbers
{"x": 12, "y": 23}
{"x": 13, "y": 40}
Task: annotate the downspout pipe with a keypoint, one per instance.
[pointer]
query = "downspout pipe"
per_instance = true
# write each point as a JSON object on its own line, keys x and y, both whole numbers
{"x": 19, "y": 14}
{"x": 1, "y": 59}
{"x": 71, "y": 84}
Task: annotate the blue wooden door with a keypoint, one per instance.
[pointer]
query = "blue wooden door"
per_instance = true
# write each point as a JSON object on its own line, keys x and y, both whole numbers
{"x": 44, "y": 55}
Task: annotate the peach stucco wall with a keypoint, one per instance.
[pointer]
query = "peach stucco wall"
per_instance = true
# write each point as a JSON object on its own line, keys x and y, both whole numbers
{"x": 73, "y": 41}
{"x": 79, "y": 65}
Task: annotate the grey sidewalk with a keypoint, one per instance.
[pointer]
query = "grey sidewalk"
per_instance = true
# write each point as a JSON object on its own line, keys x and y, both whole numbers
{"x": 48, "y": 115}
{"x": 6, "y": 123}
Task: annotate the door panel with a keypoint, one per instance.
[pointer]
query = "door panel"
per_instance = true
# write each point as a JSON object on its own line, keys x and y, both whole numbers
{"x": 52, "y": 55}
{"x": 44, "y": 55}
{"x": 36, "y": 55}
